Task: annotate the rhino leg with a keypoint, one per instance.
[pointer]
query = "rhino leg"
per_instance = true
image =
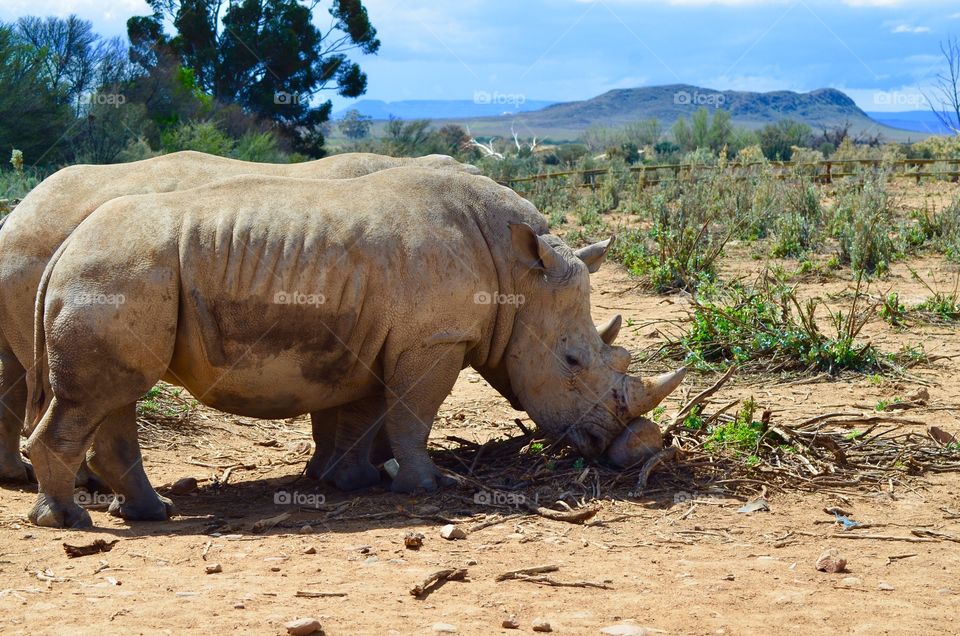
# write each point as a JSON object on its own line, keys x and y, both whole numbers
{"x": 115, "y": 458}
{"x": 13, "y": 407}
{"x": 324, "y": 425}
{"x": 422, "y": 381}
{"x": 57, "y": 448}
{"x": 357, "y": 428}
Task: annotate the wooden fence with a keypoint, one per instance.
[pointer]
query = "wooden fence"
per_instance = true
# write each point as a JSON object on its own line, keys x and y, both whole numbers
{"x": 820, "y": 171}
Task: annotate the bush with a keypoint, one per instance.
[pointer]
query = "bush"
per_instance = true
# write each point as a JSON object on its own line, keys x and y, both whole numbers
{"x": 203, "y": 136}
{"x": 862, "y": 218}
{"x": 262, "y": 147}
{"x": 798, "y": 225}
{"x": 686, "y": 237}
{"x": 779, "y": 139}
{"x": 767, "y": 327}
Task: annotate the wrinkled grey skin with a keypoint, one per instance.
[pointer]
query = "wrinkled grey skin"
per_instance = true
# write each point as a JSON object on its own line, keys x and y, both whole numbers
{"x": 398, "y": 258}
{"x": 49, "y": 213}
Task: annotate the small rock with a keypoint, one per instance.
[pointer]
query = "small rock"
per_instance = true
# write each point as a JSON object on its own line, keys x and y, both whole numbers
{"x": 472, "y": 562}
{"x": 184, "y": 486}
{"x": 540, "y": 625}
{"x": 851, "y": 581}
{"x": 624, "y": 629}
{"x": 413, "y": 540}
{"x": 444, "y": 628}
{"x": 510, "y": 623}
{"x": 729, "y": 577}
{"x": 451, "y": 532}
{"x": 239, "y": 606}
{"x": 831, "y": 561}
{"x": 944, "y": 591}
{"x": 213, "y": 568}
{"x": 310, "y": 550}
{"x": 306, "y": 529}
{"x": 303, "y": 626}
{"x": 885, "y": 587}
{"x": 275, "y": 569}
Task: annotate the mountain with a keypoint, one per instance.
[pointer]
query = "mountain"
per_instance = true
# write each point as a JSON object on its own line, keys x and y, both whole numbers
{"x": 917, "y": 120}
{"x": 483, "y": 104}
{"x": 566, "y": 121}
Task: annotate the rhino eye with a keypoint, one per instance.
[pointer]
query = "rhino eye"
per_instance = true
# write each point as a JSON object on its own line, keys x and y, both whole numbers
{"x": 572, "y": 360}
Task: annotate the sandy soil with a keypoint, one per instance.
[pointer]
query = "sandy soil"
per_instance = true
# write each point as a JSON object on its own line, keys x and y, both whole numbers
{"x": 666, "y": 560}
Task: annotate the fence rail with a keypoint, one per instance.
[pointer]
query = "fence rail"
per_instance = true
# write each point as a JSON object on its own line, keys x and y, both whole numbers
{"x": 821, "y": 171}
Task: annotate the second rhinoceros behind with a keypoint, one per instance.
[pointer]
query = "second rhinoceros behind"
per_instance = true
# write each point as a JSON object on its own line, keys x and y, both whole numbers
{"x": 373, "y": 290}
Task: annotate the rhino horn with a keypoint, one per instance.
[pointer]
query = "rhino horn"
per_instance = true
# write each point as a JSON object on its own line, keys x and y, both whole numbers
{"x": 593, "y": 255}
{"x": 643, "y": 394}
{"x": 609, "y": 331}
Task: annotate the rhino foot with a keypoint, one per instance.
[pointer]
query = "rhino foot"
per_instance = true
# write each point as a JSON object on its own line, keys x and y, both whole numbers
{"x": 413, "y": 483}
{"x": 357, "y": 477}
{"x": 159, "y": 509}
{"x": 48, "y": 513}
{"x": 317, "y": 468}
{"x": 16, "y": 470}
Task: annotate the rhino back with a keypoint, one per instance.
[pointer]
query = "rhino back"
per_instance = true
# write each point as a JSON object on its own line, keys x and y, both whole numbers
{"x": 318, "y": 285}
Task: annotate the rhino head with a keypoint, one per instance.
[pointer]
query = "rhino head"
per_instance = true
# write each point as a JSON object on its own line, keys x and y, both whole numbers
{"x": 561, "y": 371}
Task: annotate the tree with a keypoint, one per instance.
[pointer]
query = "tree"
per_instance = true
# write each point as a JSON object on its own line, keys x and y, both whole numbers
{"x": 407, "y": 139}
{"x": 945, "y": 103}
{"x": 33, "y": 114}
{"x": 354, "y": 125}
{"x": 778, "y": 139}
{"x": 703, "y": 132}
{"x": 266, "y": 55}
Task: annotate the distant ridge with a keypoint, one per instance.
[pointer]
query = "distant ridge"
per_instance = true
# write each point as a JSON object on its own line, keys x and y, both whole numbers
{"x": 824, "y": 107}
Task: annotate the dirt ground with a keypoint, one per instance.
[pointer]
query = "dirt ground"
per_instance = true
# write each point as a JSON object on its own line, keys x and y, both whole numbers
{"x": 664, "y": 560}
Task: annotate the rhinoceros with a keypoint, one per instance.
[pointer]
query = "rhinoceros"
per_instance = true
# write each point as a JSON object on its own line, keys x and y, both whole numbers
{"x": 371, "y": 291}
{"x": 53, "y": 209}
{"x": 49, "y": 213}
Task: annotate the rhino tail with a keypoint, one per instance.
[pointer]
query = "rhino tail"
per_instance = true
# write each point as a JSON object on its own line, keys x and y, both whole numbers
{"x": 38, "y": 388}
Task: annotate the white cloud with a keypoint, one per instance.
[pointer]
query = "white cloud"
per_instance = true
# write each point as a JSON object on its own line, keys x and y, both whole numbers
{"x": 906, "y": 28}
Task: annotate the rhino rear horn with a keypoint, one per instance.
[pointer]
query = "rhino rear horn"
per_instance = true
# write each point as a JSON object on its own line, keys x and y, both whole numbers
{"x": 609, "y": 331}
{"x": 643, "y": 394}
{"x": 593, "y": 255}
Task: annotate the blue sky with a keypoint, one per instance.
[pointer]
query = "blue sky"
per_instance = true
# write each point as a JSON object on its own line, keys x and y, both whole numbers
{"x": 883, "y": 53}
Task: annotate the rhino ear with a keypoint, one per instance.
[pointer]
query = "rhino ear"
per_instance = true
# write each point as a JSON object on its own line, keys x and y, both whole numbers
{"x": 532, "y": 251}
{"x": 593, "y": 255}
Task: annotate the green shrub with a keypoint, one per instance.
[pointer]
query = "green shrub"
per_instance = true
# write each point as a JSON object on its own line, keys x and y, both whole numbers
{"x": 798, "y": 225}
{"x": 262, "y": 147}
{"x": 686, "y": 236}
{"x": 203, "y": 136}
{"x": 768, "y": 327}
{"x": 861, "y": 223}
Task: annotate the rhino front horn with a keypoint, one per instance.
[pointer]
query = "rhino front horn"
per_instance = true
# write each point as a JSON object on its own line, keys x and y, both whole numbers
{"x": 646, "y": 393}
